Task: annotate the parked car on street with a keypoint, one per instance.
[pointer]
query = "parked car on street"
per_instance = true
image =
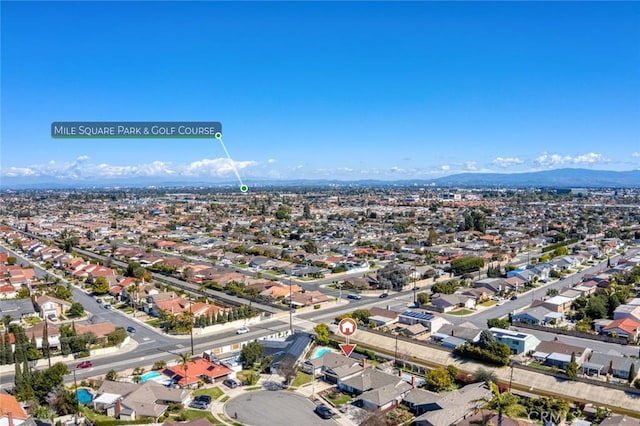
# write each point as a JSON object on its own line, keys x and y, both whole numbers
{"x": 323, "y": 411}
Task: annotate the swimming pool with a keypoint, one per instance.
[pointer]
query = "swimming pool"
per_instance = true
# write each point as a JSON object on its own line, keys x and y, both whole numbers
{"x": 148, "y": 376}
{"x": 84, "y": 396}
{"x": 319, "y": 352}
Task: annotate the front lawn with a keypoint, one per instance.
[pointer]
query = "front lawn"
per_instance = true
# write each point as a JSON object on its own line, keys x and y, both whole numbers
{"x": 487, "y": 303}
{"x": 198, "y": 414}
{"x": 153, "y": 322}
{"x": 338, "y": 398}
{"x": 301, "y": 379}
{"x": 214, "y": 393}
{"x": 460, "y": 312}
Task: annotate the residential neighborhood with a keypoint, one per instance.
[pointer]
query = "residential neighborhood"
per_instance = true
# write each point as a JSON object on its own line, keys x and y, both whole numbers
{"x": 193, "y": 265}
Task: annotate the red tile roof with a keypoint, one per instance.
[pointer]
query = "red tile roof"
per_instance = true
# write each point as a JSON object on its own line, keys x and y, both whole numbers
{"x": 195, "y": 369}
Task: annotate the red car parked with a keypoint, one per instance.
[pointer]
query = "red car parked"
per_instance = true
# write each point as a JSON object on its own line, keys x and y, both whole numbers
{"x": 85, "y": 364}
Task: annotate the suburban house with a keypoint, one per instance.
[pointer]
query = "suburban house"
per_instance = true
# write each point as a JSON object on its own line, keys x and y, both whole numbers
{"x": 11, "y": 411}
{"x": 465, "y": 332}
{"x": 307, "y": 298}
{"x": 560, "y": 304}
{"x": 557, "y": 354}
{"x": 51, "y": 306}
{"x": 375, "y": 388}
{"x": 627, "y": 311}
{"x": 289, "y": 351}
{"x": 101, "y": 329}
{"x": 539, "y": 315}
{"x": 625, "y": 327}
{"x": 130, "y": 401}
{"x": 496, "y": 285}
{"x": 432, "y": 322}
{"x": 37, "y": 332}
{"x": 620, "y": 421}
{"x": 451, "y": 407}
{"x": 17, "y": 309}
{"x": 615, "y": 365}
{"x": 448, "y": 302}
{"x": 197, "y": 370}
{"x": 332, "y": 367}
{"x": 519, "y": 343}
{"x": 383, "y": 317}
{"x": 385, "y": 396}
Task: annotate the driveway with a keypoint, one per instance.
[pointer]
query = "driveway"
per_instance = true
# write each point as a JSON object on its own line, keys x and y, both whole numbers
{"x": 268, "y": 408}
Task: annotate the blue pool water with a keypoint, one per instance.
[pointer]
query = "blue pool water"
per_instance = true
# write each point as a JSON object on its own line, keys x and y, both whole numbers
{"x": 84, "y": 396}
{"x": 148, "y": 376}
{"x": 319, "y": 352}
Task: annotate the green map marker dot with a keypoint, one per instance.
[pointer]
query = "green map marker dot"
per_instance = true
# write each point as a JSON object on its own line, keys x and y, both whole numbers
{"x": 218, "y": 135}
{"x": 244, "y": 188}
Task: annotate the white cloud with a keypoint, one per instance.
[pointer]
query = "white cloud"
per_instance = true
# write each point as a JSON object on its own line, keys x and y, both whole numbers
{"x": 81, "y": 168}
{"x": 271, "y": 160}
{"x": 470, "y": 166}
{"x": 507, "y": 161}
{"x": 551, "y": 160}
{"x": 19, "y": 172}
{"x": 445, "y": 167}
{"x": 217, "y": 167}
{"x": 636, "y": 154}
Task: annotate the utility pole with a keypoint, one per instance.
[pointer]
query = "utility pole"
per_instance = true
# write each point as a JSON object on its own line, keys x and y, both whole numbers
{"x": 413, "y": 278}
{"x": 290, "y": 309}
{"x": 191, "y": 325}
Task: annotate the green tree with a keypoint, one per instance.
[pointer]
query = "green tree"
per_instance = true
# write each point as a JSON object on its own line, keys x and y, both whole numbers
{"x": 498, "y": 323}
{"x": 112, "y": 375}
{"x": 322, "y": 334}
{"x": 632, "y": 372}
{"x": 485, "y": 375}
{"x": 636, "y": 383}
{"x": 100, "y": 286}
{"x": 251, "y": 353}
{"x": 572, "y": 367}
{"x": 503, "y": 402}
{"x": 11, "y": 260}
{"x": 76, "y": 310}
{"x": 439, "y": 379}
{"x": 596, "y": 308}
{"x": 424, "y": 298}
{"x": 283, "y": 212}
{"x": 486, "y": 339}
{"x": 117, "y": 336}
{"x": 393, "y": 276}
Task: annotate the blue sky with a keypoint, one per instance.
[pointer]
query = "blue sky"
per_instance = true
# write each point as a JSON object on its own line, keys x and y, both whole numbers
{"x": 349, "y": 90}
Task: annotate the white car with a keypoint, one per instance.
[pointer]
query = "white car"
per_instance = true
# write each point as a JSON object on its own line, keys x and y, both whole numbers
{"x": 242, "y": 330}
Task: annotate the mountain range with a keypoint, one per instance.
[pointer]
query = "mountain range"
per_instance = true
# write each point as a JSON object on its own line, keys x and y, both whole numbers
{"x": 556, "y": 178}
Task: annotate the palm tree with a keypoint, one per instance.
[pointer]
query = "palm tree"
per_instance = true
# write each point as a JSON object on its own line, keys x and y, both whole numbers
{"x": 504, "y": 402}
{"x": 184, "y": 359}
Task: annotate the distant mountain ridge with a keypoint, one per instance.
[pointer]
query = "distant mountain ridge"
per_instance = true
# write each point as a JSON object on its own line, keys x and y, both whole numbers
{"x": 557, "y": 178}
